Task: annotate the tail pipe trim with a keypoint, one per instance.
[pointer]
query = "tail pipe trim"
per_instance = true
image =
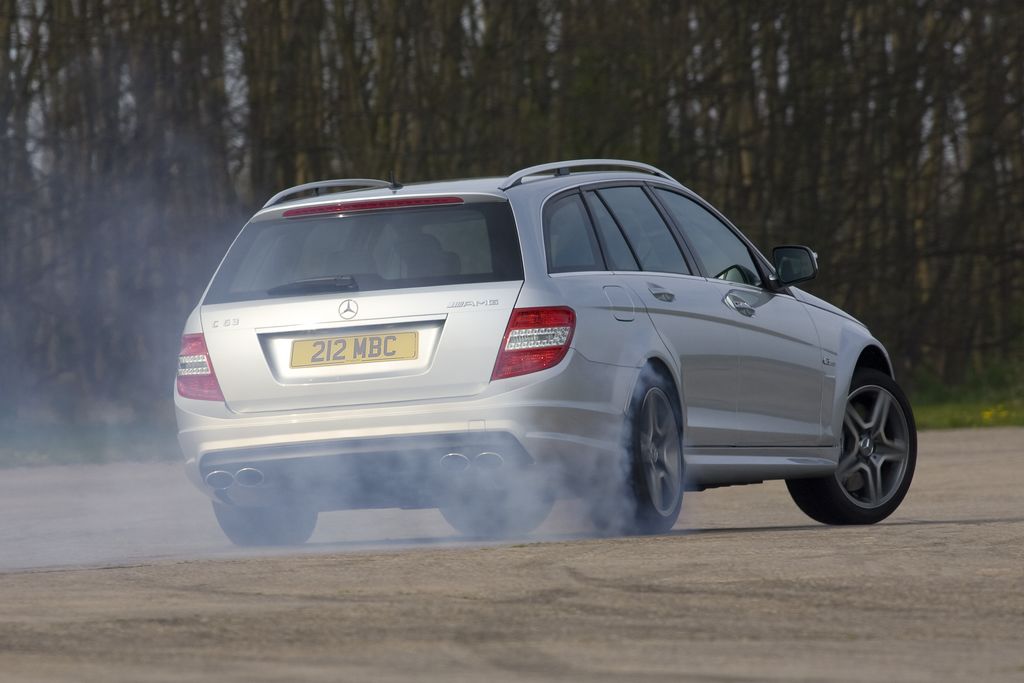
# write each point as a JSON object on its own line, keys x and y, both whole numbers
{"x": 219, "y": 480}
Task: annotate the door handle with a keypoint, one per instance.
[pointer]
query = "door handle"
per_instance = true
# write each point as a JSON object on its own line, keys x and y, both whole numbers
{"x": 737, "y": 304}
{"x": 660, "y": 293}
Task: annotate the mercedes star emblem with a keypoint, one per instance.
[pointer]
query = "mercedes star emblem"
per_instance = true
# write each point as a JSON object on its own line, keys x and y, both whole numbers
{"x": 348, "y": 309}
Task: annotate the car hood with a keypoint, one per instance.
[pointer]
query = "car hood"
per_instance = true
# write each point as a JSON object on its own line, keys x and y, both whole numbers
{"x": 812, "y": 300}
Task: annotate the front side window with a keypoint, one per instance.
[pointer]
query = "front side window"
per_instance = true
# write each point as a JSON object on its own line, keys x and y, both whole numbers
{"x": 569, "y": 238}
{"x": 723, "y": 254}
{"x": 648, "y": 235}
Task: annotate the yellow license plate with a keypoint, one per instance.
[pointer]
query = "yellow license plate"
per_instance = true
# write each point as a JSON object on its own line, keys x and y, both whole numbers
{"x": 362, "y": 348}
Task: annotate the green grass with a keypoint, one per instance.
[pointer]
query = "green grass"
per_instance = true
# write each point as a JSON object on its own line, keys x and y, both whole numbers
{"x": 969, "y": 414}
{"x": 988, "y": 397}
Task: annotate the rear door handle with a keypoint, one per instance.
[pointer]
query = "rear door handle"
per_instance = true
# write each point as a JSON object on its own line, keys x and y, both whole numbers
{"x": 660, "y": 293}
{"x": 737, "y": 304}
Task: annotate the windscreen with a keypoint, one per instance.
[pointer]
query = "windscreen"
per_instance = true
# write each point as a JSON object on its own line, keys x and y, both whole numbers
{"x": 366, "y": 251}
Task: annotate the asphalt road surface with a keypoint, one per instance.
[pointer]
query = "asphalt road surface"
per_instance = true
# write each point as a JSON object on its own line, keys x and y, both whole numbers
{"x": 119, "y": 574}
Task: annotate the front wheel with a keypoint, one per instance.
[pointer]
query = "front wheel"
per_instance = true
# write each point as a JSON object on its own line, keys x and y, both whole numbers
{"x": 255, "y": 526}
{"x": 877, "y": 458}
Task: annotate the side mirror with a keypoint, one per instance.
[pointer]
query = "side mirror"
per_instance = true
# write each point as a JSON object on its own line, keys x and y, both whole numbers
{"x": 794, "y": 264}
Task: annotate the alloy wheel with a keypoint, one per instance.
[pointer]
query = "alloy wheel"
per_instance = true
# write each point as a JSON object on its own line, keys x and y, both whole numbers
{"x": 876, "y": 447}
{"x": 660, "y": 454}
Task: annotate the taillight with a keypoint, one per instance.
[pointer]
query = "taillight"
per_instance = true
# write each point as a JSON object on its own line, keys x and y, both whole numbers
{"x": 536, "y": 339}
{"x": 196, "y": 378}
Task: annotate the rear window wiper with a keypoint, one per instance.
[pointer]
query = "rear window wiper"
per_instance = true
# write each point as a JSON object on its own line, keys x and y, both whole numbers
{"x": 329, "y": 283}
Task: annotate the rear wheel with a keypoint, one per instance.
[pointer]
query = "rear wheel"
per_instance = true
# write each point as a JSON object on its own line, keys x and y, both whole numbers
{"x": 877, "y": 459}
{"x": 653, "y": 489}
{"x": 256, "y": 526}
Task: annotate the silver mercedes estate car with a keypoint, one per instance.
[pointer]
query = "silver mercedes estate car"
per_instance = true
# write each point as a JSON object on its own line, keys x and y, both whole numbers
{"x": 586, "y": 328}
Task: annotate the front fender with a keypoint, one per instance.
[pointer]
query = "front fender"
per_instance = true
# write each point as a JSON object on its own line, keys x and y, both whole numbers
{"x": 843, "y": 341}
{"x": 853, "y": 341}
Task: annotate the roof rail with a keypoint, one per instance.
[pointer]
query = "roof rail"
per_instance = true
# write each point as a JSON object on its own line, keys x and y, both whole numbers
{"x": 559, "y": 168}
{"x": 343, "y": 182}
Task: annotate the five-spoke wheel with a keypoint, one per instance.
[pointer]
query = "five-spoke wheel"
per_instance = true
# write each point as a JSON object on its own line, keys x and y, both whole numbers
{"x": 644, "y": 493}
{"x": 877, "y": 458}
{"x": 876, "y": 447}
{"x": 660, "y": 453}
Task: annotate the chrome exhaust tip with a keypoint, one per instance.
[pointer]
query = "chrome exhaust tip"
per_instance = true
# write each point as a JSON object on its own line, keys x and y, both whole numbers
{"x": 249, "y": 476}
{"x": 489, "y": 460}
{"x": 219, "y": 480}
{"x": 454, "y": 462}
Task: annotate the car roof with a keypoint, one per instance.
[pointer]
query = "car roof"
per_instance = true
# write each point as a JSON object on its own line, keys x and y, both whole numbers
{"x": 527, "y": 190}
{"x": 529, "y": 187}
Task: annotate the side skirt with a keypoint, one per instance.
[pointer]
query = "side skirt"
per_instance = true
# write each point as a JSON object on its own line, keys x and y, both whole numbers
{"x": 707, "y": 467}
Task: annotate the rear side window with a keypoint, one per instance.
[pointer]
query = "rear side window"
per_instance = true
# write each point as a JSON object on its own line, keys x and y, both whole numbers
{"x": 399, "y": 248}
{"x": 568, "y": 237}
{"x": 616, "y": 249}
{"x": 724, "y": 255}
{"x": 650, "y": 237}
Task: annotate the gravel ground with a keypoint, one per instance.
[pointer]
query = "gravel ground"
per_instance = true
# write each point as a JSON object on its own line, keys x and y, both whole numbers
{"x": 118, "y": 573}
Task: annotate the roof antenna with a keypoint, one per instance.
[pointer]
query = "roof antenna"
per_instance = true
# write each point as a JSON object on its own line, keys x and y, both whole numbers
{"x": 395, "y": 185}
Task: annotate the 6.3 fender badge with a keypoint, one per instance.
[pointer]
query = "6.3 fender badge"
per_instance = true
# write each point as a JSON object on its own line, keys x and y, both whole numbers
{"x": 348, "y": 309}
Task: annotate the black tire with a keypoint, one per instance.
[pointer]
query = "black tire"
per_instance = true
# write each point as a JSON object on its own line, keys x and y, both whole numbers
{"x": 829, "y": 501}
{"x": 259, "y": 526}
{"x": 497, "y": 504}
{"x": 632, "y": 506}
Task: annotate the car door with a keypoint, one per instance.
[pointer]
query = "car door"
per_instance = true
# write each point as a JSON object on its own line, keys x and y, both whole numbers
{"x": 681, "y": 303}
{"x": 781, "y": 373}
{"x": 605, "y": 312}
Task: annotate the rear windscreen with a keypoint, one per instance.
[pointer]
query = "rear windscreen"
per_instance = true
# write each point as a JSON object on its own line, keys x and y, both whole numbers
{"x": 398, "y": 248}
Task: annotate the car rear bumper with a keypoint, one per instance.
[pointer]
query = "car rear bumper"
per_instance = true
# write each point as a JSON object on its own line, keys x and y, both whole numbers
{"x": 565, "y": 422}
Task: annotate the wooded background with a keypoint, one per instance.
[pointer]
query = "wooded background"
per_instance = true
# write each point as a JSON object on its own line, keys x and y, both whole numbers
{"x": 138, "y": 136}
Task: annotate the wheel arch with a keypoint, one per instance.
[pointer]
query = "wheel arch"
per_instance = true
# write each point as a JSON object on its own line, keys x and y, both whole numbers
{"x": 662, "y": 366}
{"x": 658, "y": 364}
{"x": 874, "y": 357}
{"x": 857, "y": 349}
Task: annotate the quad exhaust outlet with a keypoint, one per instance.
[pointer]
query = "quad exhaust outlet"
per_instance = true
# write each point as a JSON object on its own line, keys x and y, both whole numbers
{"x": 454, "y": 462}
{"x": 457, "y": 462}
{"x": 249, "y": 476}
{"x": 489, "y": 460}
{"x": 221, "y": 480}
